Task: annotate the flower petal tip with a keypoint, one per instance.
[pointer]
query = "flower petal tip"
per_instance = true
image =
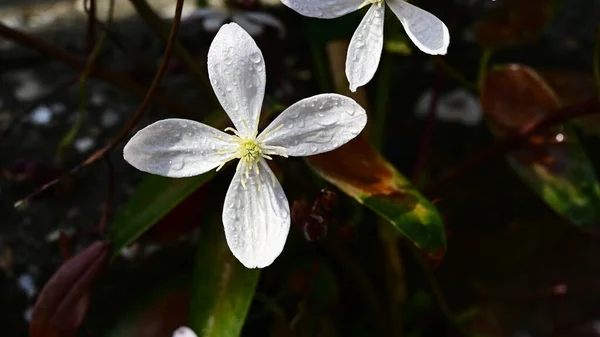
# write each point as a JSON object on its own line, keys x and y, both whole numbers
{"x": 184, "y": 331}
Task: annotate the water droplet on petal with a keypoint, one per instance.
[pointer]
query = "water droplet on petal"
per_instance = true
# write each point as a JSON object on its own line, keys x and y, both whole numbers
{"x": 177, "y": 164}
{"x": 255, "y": 58}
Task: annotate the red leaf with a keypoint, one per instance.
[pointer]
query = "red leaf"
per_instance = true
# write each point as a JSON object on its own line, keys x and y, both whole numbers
{"x": 515, "y": 22}
{"x": 61, "y": 306}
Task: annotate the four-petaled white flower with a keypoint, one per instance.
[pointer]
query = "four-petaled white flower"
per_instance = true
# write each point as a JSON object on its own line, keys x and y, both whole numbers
{"x": 426, "y": 31}
{"x": 256, "y": 213}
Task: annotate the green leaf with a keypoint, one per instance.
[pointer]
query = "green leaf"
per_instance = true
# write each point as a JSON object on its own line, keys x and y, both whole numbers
{"x": 552, "y": 163}
{"x": 152, "y": 200}
{"x": 361, "y": 172}
{"x": 222, "y": 289}
{"x": 568, "y": 184}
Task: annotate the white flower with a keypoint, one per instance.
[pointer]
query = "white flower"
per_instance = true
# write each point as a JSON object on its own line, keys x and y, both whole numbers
{"x": 458, "y": 105}
{"x": 252, "y": 21}
{"x": 184, "y": 331}
{"x": 256, "y": 213}
{"x": 426, "y": 31}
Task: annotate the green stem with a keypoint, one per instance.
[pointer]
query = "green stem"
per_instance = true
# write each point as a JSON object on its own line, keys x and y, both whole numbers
{"x": 597, "y": 61}
{"x": 321, "y": 68}
{"x": 197, "y": 71}
{"x": 438, "y": 293}
{"x": 455, "y": 74}
{"x": 483, "y": 66}
{"x": 381, "y": 101}
{"x": 85, "y": 74}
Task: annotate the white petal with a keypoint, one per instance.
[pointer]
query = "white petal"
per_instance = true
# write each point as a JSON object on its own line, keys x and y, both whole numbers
{"x": 184, "y": 331}
{"x": 425, "y": 30}
{"x": 315, "y": 125}
{"x": 256, "y": 216}
{"x": 323, "y": 9}
{"x": 364, "y": 51}
{"x": 237, "y": 73}
{"x": 177, "y": 148}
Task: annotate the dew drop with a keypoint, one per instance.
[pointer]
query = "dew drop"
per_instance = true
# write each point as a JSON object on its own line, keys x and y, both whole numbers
{"x": 255, "y": 58}
{"x": 177, "y": 164}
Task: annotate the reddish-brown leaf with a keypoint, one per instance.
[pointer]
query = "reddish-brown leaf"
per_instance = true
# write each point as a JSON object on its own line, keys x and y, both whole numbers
{"x": 573, "y": 88}
{"x": 552, "y": 162}
{"x": 360, "y": 171}
{"x": 515, "y": 95}
{"x": 61, "y": 306}
{"x": 514, "y": 22}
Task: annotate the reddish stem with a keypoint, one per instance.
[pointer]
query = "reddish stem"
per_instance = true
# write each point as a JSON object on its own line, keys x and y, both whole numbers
{"x": 90, "y": 40}
{"x": 505, "y": 145}
{"x": 136, "y": 117}
{"x": 425, "y": 143}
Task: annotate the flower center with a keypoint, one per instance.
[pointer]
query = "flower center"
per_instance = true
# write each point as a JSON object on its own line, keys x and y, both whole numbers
{"x": 379, "y": 3}
{"x": 250, "y": 151}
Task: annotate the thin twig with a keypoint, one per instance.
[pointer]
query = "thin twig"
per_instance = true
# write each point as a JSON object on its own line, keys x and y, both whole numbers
{"x": 123, "y": 82}
{"x": 90, "y": 36}
{"x": 81, "y": 112}
{"x": 92, "y": 56}
{"x": 133, "y": 121}
{"x": 154, "y": 21}
{"x": 425, "y": 143}
{"x": 503, "y": 146}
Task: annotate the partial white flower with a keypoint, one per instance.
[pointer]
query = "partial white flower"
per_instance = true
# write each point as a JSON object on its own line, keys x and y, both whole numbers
{"x": 426, "y": 31}
{"x": 458, "y": 105}
{"x": 256, "y": 213}
{"x": 184, "y": 331}
{"x": 252, "y": 21}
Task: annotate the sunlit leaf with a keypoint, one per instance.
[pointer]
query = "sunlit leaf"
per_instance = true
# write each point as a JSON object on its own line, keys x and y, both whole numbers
{"x": 400, "y": 47}
{"x": 552, "y": 163}
{"x": 222, "y": 288}
{"x": 152, "y": 200}
{"x": 361, "y": 172}
{"x": 515, "y": 22}
{"x": 62, "y": 304}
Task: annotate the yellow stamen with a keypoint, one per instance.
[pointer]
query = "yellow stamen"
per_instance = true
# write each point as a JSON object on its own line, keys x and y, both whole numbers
{"x": 379, "y": 3}
{"x": 249, "y": 150}
{"x": 264, "y": 135}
